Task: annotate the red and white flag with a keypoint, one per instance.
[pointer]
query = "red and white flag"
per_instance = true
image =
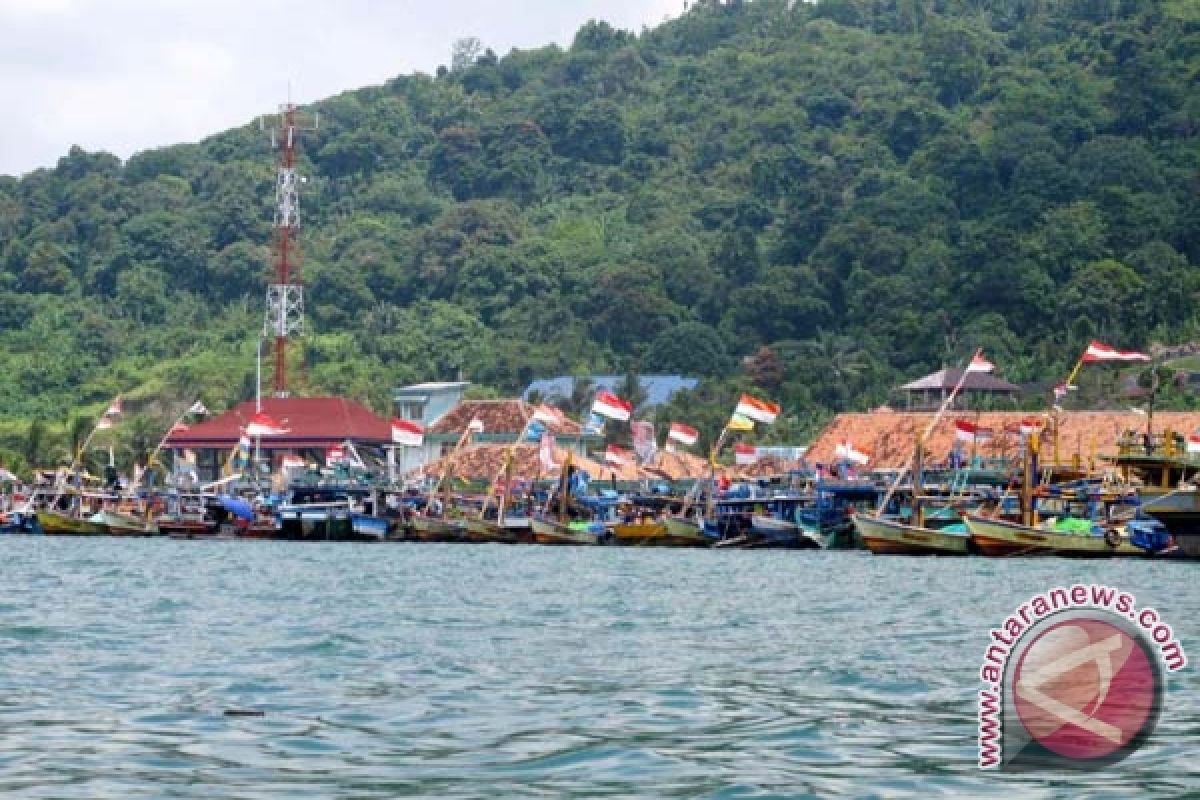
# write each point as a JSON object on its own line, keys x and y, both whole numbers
{"x": 1193, "y": 443}
{"x": 1060, "y": 390}
{"x": 684, "y": 434}
{"x": 336, "y": 455}
{"x": 1097, "y": 351}
{"x": 407, "y": 433}
{"x": 290, "y": 461}
{"x": 745, "y": 454}
{"x": 549, "y": 415}
{"x": 114, "y": 408}
{"x": 263, "y": 424}
{"x": 105, "y": 423}
{"x": 980, "y": 364}
{"x": 970, "y": 432}
{"x": 757, "y": 410}
{"x": 848, "y": 452}
{"x": 609, "y": 405}
{"x": 1030, "y": 425}
{"x": 617, "y": 456}
{"x": 178, "y": 427}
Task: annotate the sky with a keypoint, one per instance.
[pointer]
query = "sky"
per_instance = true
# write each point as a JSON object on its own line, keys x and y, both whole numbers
{"x": 128, "y": 75}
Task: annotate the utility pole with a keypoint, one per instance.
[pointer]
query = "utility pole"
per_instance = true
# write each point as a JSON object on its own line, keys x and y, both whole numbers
{"x": 285, "y": 296}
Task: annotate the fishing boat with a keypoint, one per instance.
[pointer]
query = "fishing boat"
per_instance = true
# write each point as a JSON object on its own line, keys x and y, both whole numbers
{"x": 777, "y": 526}
{"x": 884, "y": 536}
{"x": 422, "y": 528}
{"x": 61, "y": 523}
{"x": 327, "y": 513}
{"x": 660, "y": 532}
{"x": 117, "y": 523}
{"x": 555, "y": 532}
{"x": 994, "y": 537}
{"x": 1164, "y": 467}
{"x": 513, "y": 530}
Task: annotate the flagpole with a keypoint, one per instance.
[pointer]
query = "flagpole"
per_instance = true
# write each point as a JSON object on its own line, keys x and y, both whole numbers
{"x": 962, "y": 379}
{"x": 159, "y": 447}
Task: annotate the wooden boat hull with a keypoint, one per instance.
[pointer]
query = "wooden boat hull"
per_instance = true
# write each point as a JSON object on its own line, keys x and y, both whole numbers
{"x": 888, "y": 537}
{"x": 435, "y": 529}
{"x": 54, "y": 523}
{"x": 660, "y": 533}
{"x": 554, "y": 533}
{"x": 484, "y": 531}
{"x": 993, "y": 537}
{"x": 118, "y": 524}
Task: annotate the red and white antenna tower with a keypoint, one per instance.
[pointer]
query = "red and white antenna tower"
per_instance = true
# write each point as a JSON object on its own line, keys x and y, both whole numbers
{"x": 285, "y": 296}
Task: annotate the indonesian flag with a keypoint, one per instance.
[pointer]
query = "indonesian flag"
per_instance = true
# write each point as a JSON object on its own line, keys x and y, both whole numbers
{"x": 114, "y": 408}
{"x": 1029, "y": 425}
{"x": 263, "y": 424}
{"x": 980, "y": 364}
{"x": 336, "y": 455}
{"x": 1193, "y": 443}
{"x": 970, "y": 432}
{"x": 178, "y": 427}
{"x": 684, "y": 434}
{"x": 848, "y": 452}
{"x": 609, "y": 405}
{"x": 407, "y": 433}
{"x": 291, "y": 462}
{"x": 617, "y": 456}
{"x": 757, "y": 410}
{"x": 745, "y": 454}
{"x": 105, "y": 423}
{"x": 1097, "y": 351}
{"x": 1060, "y": 391}
{"x": 549, "y": 415}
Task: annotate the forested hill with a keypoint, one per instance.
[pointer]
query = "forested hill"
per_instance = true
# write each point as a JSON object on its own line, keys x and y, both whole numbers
{"x": 868, "y": 187}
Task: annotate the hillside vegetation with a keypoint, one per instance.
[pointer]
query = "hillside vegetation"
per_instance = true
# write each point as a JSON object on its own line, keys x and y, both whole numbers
{"x": 868, "y": 188}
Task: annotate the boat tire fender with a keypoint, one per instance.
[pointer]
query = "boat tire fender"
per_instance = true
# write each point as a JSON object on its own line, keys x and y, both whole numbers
{"x": 1112, "y": 537}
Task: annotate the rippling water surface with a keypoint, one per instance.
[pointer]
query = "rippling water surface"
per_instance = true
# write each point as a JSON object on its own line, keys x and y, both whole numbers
{"x": 490, "y": 671}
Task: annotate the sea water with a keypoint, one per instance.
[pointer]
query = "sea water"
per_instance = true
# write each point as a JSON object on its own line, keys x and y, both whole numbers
{"x": 455, "y": 671}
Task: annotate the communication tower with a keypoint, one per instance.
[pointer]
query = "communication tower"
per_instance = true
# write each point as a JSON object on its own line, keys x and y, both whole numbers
{"x": 285, "y": 295}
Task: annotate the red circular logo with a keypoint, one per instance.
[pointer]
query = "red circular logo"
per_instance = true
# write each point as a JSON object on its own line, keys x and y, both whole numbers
{"x": 1085, "y": 689}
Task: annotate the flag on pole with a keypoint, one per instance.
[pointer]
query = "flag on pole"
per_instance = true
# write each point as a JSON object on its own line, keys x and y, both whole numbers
{"x": 291, "y": 461}
{"x": 757, "y": 410}
{"x": 644, "y": 440}
{"x": 114, "y": 408}
{"x": 609, "y": 405}
{"x": 617, "y": 456}
{"x": 178, "y": 427}
{"x": 848, "y": 452}
{"x": 105, "y": 423}
{"x": 1193, "y": 443}
{"x": 1098, "y": 351}
{"x": 263, "y": 424}
{"x": 336, "y": 455}
{"x": 684, "y": 434}
{"x": 740, "y": 422}
{"x": 1029, "y": 425}
{"x": 745, "y": 454}
{"x": 407, "y": 433}
{"x": 980, "y": 364}
{"x": 970, "y": 432}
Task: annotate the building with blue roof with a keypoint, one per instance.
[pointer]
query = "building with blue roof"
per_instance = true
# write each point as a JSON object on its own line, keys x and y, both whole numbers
{"x": 659, "y": 389}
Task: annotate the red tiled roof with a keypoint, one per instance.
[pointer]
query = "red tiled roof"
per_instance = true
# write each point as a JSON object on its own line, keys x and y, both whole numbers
{"x": 888, "y": 437}
{"x": 312, "y": 422}
{"x": 498, "y": 417}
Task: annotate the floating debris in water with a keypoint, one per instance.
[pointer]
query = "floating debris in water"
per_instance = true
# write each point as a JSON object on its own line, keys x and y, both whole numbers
{"x": 243, "y": 712}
